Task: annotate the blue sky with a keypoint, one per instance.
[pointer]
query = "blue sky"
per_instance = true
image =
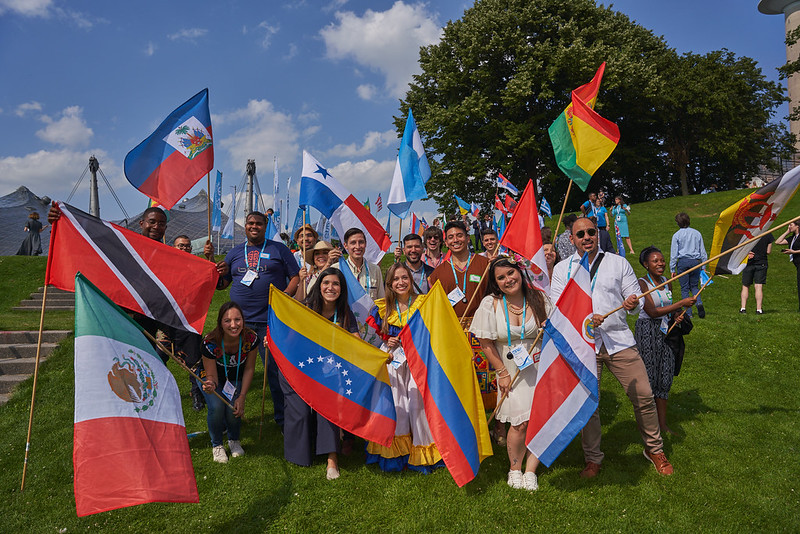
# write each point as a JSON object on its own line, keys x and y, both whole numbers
{"x": 96, "y": 77}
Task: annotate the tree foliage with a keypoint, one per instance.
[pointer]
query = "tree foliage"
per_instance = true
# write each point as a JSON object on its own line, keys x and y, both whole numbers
{"x": 502, "y": 73}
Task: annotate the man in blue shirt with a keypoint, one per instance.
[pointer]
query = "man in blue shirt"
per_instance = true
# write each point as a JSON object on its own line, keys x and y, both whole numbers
{"x": 686, "y": 251}
{"x": 253, "y": 267}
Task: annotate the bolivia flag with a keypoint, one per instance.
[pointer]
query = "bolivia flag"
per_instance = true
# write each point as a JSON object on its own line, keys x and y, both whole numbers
{"x": 582, "y": 140}
{"x": 130, "y": 443}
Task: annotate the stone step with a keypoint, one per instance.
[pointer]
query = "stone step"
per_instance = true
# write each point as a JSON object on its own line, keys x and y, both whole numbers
{"x": 32, "y": 336}
{"x": 61, "y": 297}
{"x": 19, "y": 350}
{"x": 54, "y": 291}
{"x": 33, "y": 303}
{"x": 4, "y": 398}
{"x": 9, "y": 382}
{"x": 19, "y": 366}
{"x": 39, "y": 308}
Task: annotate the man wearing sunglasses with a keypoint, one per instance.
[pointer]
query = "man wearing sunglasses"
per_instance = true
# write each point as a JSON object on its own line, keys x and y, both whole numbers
{"x": 613, "y": 284}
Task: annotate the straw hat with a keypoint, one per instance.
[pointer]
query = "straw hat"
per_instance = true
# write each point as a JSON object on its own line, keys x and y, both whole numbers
{"x": 321, "y": 245}
{"x": 307, "y": 228}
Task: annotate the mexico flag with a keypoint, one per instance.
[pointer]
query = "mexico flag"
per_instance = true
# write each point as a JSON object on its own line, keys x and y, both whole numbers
{"x": 130, "y": 444}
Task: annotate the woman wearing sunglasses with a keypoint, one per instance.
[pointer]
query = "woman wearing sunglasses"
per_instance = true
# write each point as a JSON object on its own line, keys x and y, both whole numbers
{"x": 506, "y": 323}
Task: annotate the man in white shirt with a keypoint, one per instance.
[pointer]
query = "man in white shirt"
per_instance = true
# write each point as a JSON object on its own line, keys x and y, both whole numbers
{"x": 368, "y": 274}
{"x": 613, "y": 284}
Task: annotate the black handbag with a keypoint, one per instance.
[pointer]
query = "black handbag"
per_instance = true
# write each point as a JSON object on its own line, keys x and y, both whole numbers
{"x": 674, "y": 339}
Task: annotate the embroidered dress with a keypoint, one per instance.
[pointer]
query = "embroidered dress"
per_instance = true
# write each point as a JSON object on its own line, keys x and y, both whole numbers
{"x": 413, "y": 445}
{"x": 650, "y": 335}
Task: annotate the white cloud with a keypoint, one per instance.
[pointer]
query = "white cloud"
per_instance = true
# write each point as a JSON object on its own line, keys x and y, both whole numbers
{"x": 335, "y": 4}
{"x": 372, "y": 141}
{"x": 27, "y": 8}
{"x": 368, "y": 176}
{"x": 69, "y": 130}
{"x": 188, "y": 34}
{"x": 387, "y": 42}
{"x": 23, "y": 109}
{"x": 52, "y": 172}
{"x": 261, "y": 132}
{"x": 81, "y": 20}
{"x": 293, "y": 51}
{"x": 150, "y": 49}
{"x": 366, "y": 91}
{"x": 269, "y": 31}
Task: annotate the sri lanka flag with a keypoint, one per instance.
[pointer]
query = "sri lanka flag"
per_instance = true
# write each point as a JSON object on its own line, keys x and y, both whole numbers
{"x": 319, "y": 189}
{"x": 582, "y": 140}
{"x": 169, "y": 162}
{"x": 503, "y": 182}
{"x": 439, "y": 358}
{"x": 130, "y": 443}
{"x": 566, "y": 393}
{"x": 340, "y": 376}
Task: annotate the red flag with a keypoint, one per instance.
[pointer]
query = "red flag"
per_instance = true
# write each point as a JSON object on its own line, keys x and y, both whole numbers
{"x": 524, "y": 236}
{"x": 134, "y": 271}
{"x": 511, "y": 204}
{"x": 498, "y": 204}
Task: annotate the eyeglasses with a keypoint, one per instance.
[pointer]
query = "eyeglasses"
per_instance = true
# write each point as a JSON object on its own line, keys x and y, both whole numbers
{"x": 580, "y": 233}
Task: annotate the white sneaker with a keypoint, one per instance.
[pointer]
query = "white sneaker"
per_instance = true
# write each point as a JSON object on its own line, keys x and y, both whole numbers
{"x": 332, "y": 473}
{"x": 236, "y": 448}
{"x": 220, "y": 455}
{"x": 515, "y": 479}
{"x": 530, "y": 482}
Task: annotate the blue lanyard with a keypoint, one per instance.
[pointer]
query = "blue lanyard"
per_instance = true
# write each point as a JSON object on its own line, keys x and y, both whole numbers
{"x": 335, "y": 316}
{"x": 259, "y": 255}
{"x": 399, "y": 315}
{"x": 657, "y": 291}
{"x": 238, "y": 357}
{"x": 508, "y": 323}
{"x": 455, "y": 278}
{"x": 594, "y": 278}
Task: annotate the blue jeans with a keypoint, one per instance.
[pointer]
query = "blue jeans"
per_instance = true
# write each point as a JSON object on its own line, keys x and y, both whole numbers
{"x": 220, "y": 417}
{"x": 690, "y": 283}
{"x": 272, "y": 374}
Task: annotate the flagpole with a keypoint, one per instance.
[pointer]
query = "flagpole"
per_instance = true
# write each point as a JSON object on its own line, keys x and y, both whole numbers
{"x": 305, "y": 280}
{"x": 563, "y": 207}
{"x": 264, "y": 396}
{"x": 500, "y": 402}
{"x": 165, "y": 350}
{"x": 687, "y": 309}
{"x": 33, "y": 393}
{"x": 698, "y": 266}
{"x": 208, "y": 184}
{"x": 400, "y": 234}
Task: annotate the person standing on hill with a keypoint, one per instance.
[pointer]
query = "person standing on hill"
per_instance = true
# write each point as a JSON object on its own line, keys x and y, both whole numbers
{"x": 755, "y": 272}
{"x": 791, "y": 237}
{"x": 686, "y": 251}
{"x": 32, "y": 244}
{"x": 620, "y": 213}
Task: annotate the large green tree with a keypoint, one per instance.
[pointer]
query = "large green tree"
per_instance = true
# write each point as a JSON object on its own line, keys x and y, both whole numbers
{"x": 502, "y": 73}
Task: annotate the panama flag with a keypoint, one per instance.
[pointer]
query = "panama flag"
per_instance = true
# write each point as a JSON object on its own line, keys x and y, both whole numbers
{"x": 503, "y": 182}
{"x": 130, "y": 443}
{"x": 411, "y": 172}
{"x": 566, "y": 393}
{"x": 319, "y": 189}
{"x": 169, "y": 162}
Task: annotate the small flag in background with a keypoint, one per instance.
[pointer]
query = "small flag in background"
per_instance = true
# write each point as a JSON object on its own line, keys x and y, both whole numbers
{"x": 366, "y": 205}
{"x": 174, "y": 157}
{"x": 620, "y": 245}
{"x": 511, "y": 204}
{"x": 411, "y": 172}
{"x": 503, "y": 182}
{"x": 227, "y": 232}
{"x": 544, "y": 207}
{"x": 463, "y": 205}
{"x": 378, "y": 204}
{"x": 216, "y": 214}
{"x": 130, "y": 444}
{"x": 704, "y": 277}
{"x": 498, "y": 204}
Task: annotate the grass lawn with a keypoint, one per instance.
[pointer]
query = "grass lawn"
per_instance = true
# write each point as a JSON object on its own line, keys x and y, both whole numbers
{"x": 735, "y": 406}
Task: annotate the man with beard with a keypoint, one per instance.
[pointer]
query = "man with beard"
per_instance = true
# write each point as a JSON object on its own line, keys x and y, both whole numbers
{"x": 412, "y": 248}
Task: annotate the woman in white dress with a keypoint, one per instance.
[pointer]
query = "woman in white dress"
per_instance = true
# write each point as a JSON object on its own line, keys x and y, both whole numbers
{"x": 506, "y": 323}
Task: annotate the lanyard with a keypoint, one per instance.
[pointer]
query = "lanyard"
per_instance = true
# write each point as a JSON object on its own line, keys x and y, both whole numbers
{"x": 569, "y": 273}
{"x": 399, "y": 315}
{"x": 657, "y": 291}
{"x": 259, "y": 254}
{"x": 335, "y": 316}
{"x": 508, "y": 323}
{"x": 238, "y": 357}
{"x": 455, "y": 278}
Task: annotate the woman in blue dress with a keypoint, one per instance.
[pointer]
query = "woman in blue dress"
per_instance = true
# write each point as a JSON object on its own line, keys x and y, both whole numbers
{"x": 620, "y": 212}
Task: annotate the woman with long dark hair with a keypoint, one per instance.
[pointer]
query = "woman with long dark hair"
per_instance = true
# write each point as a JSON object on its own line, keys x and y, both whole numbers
{"x": 305, "y": 432}
{"x": 229, "y": 360}
{"x": 506, "y": 323}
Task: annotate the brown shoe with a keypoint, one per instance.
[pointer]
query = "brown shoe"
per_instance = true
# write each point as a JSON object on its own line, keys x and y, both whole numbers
{"x": 659, "y": 460}
{"x": 591, "y": 470}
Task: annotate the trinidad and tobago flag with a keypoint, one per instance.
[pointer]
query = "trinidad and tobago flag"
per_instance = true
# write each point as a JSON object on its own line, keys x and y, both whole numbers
{"x": 134, "y": 271}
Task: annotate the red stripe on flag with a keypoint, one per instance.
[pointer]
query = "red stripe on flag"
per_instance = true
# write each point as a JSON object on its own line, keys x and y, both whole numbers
{"x": 125, "y": 461}
{"x": 593, "y": 119}
{"x": 176, "y": 175}
{"x": 552, "y": 389}
{"x": 334, "y": 407}
{"x": 371, "y": 224}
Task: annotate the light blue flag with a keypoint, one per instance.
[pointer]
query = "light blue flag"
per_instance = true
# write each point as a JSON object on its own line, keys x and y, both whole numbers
{"x": 298, "y": 220}
{"x": 272, "y": 230}
{"x": 216, "y": 213}
{"x": 545, "y": 207}
{"x": 704, "y": 277}
{"x": 227, "y": 232}
{"x": 411, "y": 172}
{"x": 501, "y": 228}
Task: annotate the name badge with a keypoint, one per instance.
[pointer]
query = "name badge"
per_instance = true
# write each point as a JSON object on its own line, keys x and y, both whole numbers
{"x": 456, "y": 296}
{"x": 228, "y": 390}
{"x": 399, "y": 357}
{"x": 264, "y": 255}
{"x": 521, "y": 357}
{"x": 475, "y": 278}
{"x": 248, "y": 277}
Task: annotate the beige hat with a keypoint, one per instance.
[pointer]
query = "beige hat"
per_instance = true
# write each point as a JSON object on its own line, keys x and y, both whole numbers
{"x": 321, "y": 245}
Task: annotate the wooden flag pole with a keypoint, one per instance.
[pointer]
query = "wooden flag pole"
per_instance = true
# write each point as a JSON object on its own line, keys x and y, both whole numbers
{"x": 514, "y": 379}
{"x": 33, "y": 393}
{"x": 687, "y": 309}
{"x": 264, "y": 395}
{"x": 700, "y": 265}
{"x": 563, "y": 207}
{"x": 400, "y": 233}
{"x": 183, "y": 365}
{"x": 305, "y": 280}
{"x": 208, "y": 184}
